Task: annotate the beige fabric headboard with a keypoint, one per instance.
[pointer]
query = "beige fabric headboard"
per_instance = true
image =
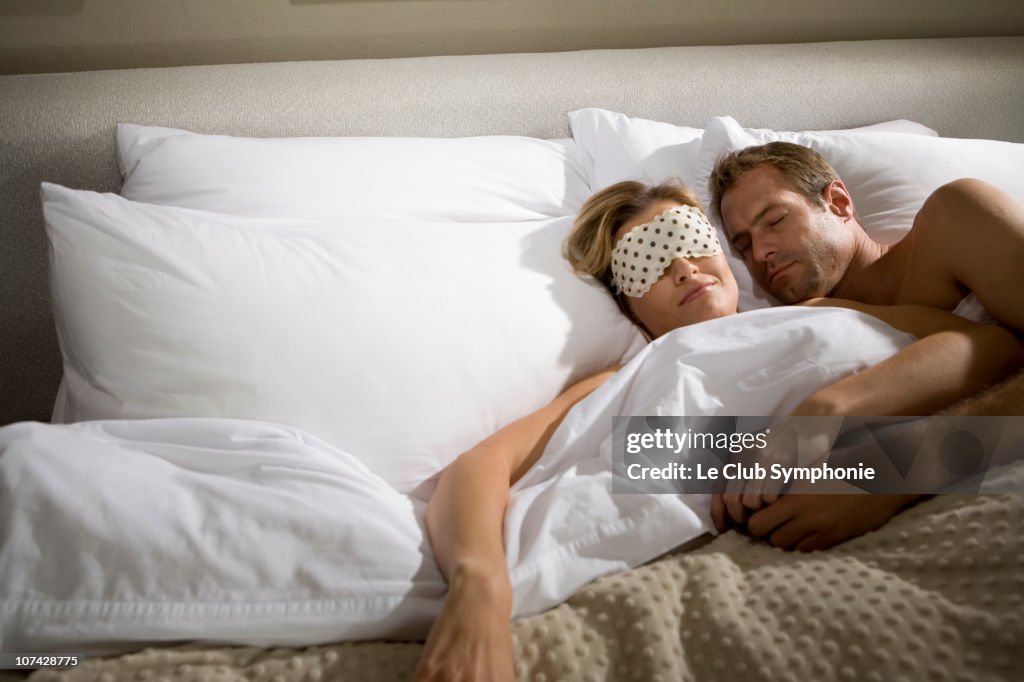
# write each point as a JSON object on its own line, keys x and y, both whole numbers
{"x": 60, "y": 127}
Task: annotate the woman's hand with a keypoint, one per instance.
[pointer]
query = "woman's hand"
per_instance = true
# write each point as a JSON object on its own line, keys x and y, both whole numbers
{"x": 472, "y": 638}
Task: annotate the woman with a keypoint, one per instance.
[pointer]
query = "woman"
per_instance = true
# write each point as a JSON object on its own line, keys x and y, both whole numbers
{"x": 655, "y": 251}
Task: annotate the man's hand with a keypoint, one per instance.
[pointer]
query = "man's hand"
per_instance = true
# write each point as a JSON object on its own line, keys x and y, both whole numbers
{"x": 808, "y": 522}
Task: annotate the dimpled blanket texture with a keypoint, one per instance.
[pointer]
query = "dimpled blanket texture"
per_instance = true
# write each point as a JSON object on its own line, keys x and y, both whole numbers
{"x": 936, "y": 594}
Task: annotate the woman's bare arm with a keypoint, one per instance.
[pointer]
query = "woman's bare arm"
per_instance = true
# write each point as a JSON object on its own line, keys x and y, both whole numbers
{"x": 471, "y": 639}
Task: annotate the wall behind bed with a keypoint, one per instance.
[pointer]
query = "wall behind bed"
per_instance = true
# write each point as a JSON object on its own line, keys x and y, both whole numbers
{"x": 74, "y": 35}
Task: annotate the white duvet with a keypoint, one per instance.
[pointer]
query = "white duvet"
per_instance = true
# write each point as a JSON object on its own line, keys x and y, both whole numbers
{"x": 117, "y": 534}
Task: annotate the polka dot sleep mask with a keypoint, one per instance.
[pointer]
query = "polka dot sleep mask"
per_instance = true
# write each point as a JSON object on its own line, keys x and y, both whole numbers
{"x": 645, "y": 251}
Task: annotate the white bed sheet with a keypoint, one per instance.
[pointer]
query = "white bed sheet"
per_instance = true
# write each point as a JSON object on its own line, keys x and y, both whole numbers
{"x": 118, "y": 534}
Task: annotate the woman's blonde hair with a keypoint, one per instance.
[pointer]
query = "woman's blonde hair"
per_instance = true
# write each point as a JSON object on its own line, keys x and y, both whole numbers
{"x": 589, "y": 246}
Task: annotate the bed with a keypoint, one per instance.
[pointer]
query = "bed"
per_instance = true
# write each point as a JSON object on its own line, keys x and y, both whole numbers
{"x": 935, "y": 594}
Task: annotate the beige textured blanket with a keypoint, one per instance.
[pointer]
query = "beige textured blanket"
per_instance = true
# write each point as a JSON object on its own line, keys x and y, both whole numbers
{"x": 937, "y": 594}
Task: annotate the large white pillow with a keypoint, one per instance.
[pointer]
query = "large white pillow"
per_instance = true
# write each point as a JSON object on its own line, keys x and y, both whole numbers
{"x": 403, "y": 344}
{"x": 473, "y": 179}
{"x": 889, "y": 174}
{"x": 616, "y": 147}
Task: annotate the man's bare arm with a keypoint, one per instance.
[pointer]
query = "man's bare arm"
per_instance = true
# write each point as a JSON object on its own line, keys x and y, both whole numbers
{"x": 1005, "y": 399}
{"x": 953, "y": 360}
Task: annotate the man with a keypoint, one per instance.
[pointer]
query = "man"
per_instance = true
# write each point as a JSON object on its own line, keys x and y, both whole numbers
{"x": 788, "y": 213}
{"x": 790, "y": 216}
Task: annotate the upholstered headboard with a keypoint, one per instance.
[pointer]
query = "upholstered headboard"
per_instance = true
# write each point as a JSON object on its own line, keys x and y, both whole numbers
{"x": 60, "y": 127}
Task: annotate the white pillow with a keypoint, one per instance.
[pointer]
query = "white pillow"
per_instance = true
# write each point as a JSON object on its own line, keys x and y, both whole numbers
{"x": 888, "y": 174}
{"x": 616, "y": 147}
{"x": 403, "y": 344}
{"x": 474, "y": 179}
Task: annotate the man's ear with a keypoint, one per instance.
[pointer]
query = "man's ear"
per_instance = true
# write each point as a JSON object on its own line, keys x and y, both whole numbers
{"x": 837, "y": 199}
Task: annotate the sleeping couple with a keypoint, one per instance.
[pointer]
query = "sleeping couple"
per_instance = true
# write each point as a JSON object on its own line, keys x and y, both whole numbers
{"x": 790, "y": 216}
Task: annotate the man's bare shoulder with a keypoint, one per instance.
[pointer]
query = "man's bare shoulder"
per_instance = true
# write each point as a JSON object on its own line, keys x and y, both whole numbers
{"x": 958, "y": 241}
{"x": 968, "y": 214}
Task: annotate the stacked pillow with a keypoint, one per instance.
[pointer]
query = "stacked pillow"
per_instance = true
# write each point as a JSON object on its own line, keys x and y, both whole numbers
{"x": 616, "y": 147}
{"x": 890, "y": 168}
{"x": 475, "y": 179}
{"x": 400, "y": 298}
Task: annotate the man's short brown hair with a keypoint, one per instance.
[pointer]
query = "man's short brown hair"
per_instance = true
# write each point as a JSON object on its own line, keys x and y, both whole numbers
{"x": 807, "y": 170}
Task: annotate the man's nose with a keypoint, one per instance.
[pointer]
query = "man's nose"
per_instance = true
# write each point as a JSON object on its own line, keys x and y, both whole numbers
{"x": 762, "y": 249}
